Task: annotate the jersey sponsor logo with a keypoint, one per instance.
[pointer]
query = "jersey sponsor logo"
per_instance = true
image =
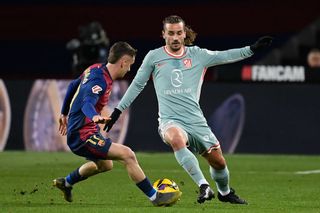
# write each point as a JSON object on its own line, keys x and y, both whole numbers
{"x": 177, "y": 91}
{"x": 96, "y": 89}
{"x": 176, "y": 78}
{"x": 187, "y": 63}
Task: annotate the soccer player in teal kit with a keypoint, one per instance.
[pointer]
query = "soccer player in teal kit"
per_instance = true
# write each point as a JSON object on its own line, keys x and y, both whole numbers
{"x": 80, "y": 116}
{"x": 177, "y": 72}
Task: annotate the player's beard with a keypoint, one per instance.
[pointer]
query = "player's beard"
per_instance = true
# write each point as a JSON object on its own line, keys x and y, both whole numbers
{"x": 175, "y": 46}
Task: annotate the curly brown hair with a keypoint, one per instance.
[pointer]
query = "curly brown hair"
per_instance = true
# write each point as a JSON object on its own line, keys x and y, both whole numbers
{"x": 190, "y": 34}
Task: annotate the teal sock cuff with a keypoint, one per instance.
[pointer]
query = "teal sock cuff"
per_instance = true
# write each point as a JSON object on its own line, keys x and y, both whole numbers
{"x": 219, "y": 174}
{"x": 221, "y": 178}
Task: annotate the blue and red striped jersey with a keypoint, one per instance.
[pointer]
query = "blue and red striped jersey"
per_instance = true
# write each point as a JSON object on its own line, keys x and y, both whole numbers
{"x": 85, "y": 98}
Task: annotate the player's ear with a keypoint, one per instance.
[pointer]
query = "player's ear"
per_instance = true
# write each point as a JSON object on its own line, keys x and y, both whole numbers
{"x": 163, "y": 34}
{"x": 121, "y": 63}
{"x": 122, "y": 60}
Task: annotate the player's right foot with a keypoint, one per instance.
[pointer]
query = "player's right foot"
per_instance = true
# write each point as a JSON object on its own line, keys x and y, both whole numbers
{"x": 166, "y": 199}
{"x": 205, "y": 193}
{"x": 60, "y": 183}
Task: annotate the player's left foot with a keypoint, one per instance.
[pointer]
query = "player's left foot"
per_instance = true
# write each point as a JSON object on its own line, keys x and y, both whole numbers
{"x": 231, "y": 198}
{"x": 60, "y": 184}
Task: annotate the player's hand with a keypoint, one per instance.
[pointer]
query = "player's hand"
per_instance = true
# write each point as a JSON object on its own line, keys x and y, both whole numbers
{"x": 100, "y": 119}
{"x": 261, "y": 43}
{"x": 63, "y": 122}
{"x": 114, "y": 117}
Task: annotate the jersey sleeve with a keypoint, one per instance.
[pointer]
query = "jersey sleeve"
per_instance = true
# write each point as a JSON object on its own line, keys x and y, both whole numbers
{"x": 211, "y": 58}
{"x": 93, "y": 90}
{"x": 88, "y": 106}
{"x": 72, "y": 88}
{"x": 138, "y": 83}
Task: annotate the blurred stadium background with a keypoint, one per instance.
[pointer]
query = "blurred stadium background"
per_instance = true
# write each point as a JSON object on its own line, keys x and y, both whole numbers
{"x": 266, "y": 104}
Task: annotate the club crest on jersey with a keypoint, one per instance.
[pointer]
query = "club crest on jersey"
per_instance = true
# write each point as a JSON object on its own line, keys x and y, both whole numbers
{"x": 101, "y": 143}
{"x": 187, "y": 63}
{"x": 96, "y": 89}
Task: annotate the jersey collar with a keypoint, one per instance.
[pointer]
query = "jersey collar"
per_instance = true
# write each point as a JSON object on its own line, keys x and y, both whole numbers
{"x": 104, "y": 67}
{"x": 175, "y": 55}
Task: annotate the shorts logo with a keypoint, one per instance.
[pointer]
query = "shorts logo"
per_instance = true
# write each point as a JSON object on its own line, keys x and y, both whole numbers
{"x": 206, "y": 138}
{"x": 96, "y": 89}
{"x": 187, "y": 63}
{"x": 101, "y": 143}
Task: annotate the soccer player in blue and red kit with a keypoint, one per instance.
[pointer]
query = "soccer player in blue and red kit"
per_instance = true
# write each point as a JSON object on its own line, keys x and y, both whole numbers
{"x": 80, "y": 118}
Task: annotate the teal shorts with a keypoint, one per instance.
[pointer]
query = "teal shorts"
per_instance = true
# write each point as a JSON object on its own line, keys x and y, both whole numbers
{"x": 200, "y": 138}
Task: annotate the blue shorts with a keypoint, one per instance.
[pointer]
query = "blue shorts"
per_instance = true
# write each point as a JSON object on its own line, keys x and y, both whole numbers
{"x": 96, "y": 147}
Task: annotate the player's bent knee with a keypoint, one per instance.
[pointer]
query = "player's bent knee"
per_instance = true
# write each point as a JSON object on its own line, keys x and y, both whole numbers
{"x": 177, "y": 143}
{"x": 215, "y": 159}
{"x": 128, "y": 155}
{"x": 175, "y": 138}
{"x": 219, "y": 164}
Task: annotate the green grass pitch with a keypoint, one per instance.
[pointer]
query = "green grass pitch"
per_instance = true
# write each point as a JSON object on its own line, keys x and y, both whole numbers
{"x": 268, "y": 182}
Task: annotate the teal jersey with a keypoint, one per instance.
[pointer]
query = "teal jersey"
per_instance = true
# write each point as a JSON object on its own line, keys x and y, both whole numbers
{"x": 178, "y": 80}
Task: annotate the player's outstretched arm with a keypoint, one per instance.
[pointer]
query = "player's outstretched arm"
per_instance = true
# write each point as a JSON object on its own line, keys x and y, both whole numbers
{"x": 261, "y": 43}
{"x": 113, "y": 118}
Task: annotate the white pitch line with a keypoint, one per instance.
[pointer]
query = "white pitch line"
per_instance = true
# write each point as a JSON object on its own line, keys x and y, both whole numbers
{"x": 308, "y": 172}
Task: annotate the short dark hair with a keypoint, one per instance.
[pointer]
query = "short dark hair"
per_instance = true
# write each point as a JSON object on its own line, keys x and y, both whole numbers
{"x": 190, "y": 34}
{"x": 173, "y": 19}
{"x": 120, "y": 49}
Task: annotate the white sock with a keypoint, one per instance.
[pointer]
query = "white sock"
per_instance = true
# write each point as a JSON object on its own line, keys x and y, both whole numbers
{"x": 153, "y": 197}
{"x": 66, "y": 183}
{"x": 203, "y": 181}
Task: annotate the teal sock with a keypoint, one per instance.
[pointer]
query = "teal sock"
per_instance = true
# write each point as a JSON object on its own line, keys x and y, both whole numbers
{"x": 221, "y": 177}
{"x": 191, "y": 165}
